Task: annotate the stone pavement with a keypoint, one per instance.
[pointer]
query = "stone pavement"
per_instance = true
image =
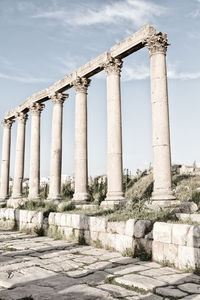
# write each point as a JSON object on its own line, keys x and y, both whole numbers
{"x": 43, "y": 268}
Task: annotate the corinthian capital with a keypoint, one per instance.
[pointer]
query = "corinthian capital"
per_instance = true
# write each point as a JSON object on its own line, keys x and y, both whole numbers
{"x": 58, "y": 98}
{"x": 36, "y": 108}
{"x": 156, "y": 43}
{"x": 113, "y": 65}
{"x": 22, "y": 117}
{"x": 7, "y": 123}
{"x": 81, "y": 84}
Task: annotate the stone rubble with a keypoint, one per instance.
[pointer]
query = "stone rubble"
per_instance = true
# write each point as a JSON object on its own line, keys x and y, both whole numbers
{"x": 41, "y": 268}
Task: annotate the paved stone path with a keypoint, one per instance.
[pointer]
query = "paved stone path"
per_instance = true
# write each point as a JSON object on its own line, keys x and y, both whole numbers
{"x": 43, "y": 268}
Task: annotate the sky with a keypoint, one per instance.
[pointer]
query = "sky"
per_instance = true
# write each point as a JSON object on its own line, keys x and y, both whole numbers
{"x": 44, "y": 40}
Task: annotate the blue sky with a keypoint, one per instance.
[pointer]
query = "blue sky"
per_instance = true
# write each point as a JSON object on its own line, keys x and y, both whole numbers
{"x": 42, "y": 41}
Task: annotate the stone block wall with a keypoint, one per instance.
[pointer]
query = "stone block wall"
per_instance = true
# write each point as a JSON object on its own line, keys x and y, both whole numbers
{"x": 117, "y": 235}
{"x": 178, "y": 244}
{"x": 21, "y": 219}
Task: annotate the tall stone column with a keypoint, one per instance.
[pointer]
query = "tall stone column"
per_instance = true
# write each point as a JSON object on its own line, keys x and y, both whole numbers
{"x": 56, "y": 146}
{"x": 5, "y": 166}
{"x": 115, "y": 195}
{"x": 162, "y": 192}
{"x": 19, "y": 156}
{"x": 34, "y": 177}
{"x": 81, "y": 165}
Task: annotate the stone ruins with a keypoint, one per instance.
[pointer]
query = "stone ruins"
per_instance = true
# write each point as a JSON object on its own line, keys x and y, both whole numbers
{"x": 111, "y": 63}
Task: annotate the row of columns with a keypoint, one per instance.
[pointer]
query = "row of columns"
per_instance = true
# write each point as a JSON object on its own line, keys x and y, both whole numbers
{"x": 162, "y": 194}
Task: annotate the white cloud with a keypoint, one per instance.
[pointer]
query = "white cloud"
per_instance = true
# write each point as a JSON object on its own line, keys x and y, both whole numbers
{"x": 24, "y": 79}
{"x": 138, "y": 12}
{"x": 137, "y": 72}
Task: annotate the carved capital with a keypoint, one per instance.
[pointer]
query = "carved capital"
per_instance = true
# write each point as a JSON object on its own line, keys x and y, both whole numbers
{"x": 58, "y": 98}
{"x": 21, "y": 117}
{"x": 36, "y": 108}
{"x": 81, "y": 84}
{"x": 157, "y": 43}
{"x": 7, "y": 123}
{"x": 113, "y": 66}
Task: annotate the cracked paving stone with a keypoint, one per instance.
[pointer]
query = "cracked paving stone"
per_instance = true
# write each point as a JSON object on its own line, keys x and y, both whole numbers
{"x": 192, "y": 297}
{"x": 85, "y": 259}
{"x": 94, "y": 251}
{"x": 170, "y": 291}
{"x": 157, "y": 272}
{"x": 139, "y": 281}
{"x": 176, "y": 278}
{"x": 100, "y": 265}
{"x": 122, "y": 270}
{"x": 124, "y": 260}
{"x": 117, "y": 291}
{"x": 79, "y": 273}
{"x": 84, "y": 292}
{"x": 190, "y": 288}
{"x": 95, "y": 278}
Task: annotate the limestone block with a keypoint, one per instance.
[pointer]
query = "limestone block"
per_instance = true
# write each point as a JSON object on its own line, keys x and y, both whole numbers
{"x": 116, "y": 227}
{"x": 98, "y": 224}
{"x": 141, "y": 227}
{"x": 94, "y": 235}
{"x": 23, "y": 215}
{"x": 63, "y": 220}
{"x": 87, "y": 236}
{"x": 123, "y": 242}
{"x": 129, "y": 228}
{"x": 75, "y": 221}
{"x": 107, "y": 239}
{"x": 188, "y": 257}
{"x": 193, "y": 237}
{"x": 58, "y": 219}
{"x": 171, "y": 253}
{"x": 179, "y": 234}
{"x": 157, "y": 251}
{"x": 51, "y": 218}
{"x": 9, "y": 213}
{"x": 162, "y": 232}
{"x": 84, "y": 222}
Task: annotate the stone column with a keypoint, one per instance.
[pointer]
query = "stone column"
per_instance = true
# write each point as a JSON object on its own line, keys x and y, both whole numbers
{"x": 162, "y": 193}
{"x": 81, "y": 165}
{"x": 34, "y": 177}
{"x": 5, "y": 167}
{"x": 56, "y": 147}
{"x": 115, "y": 195}
{"x": 19, "y": 156}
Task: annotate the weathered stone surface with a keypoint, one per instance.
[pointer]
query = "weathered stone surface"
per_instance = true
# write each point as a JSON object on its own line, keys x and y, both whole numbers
{"x": 193, "y": 237}
{"x": 98, "y": 224}
{"x": 141, "y": 227}
{"x": 170, "y": 291}
{"x": 117, "y": 291}
{"x": 116, "y": 227}
{"x": 179, "y": 234}
{"x": 190, "y": 288}
{"x": 162, "y": 232}
{"x": 158, "y": 251}
{"x": 157, "y": 272}
{"x": 188, "y": 257}
{"x": 84, "y": 292}
{"x": 99, "y": 265}
{"x": 121, "y": 270}
{"x": 139, "y": 281}
{"x": 188, "y": 207}
{"x": 79, "y": 273}
{"x": 129, "y": 228}
{"x": 175, "y": 278}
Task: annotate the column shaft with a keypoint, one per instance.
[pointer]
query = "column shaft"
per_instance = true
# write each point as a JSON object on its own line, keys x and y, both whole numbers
{"x": 19, "y": 156}
{"x": 115, "y": 195}
{"x": 5, "y": 167}
{"x": 34, "y": 177}
{"x": 81, "y": 164}
{"x": 162, "y": 191}
{"x": 56, "y": 147}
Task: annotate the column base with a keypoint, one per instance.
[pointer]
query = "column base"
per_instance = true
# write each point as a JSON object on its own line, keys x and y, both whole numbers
{"x": 162, "y": 195}
{"x": 34, "y": 198}
{"x": 81, "y": 198}
{"x": 16, "y": 202}
{"x": 114, "y": 201}
{"x": 53, "y": 198}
